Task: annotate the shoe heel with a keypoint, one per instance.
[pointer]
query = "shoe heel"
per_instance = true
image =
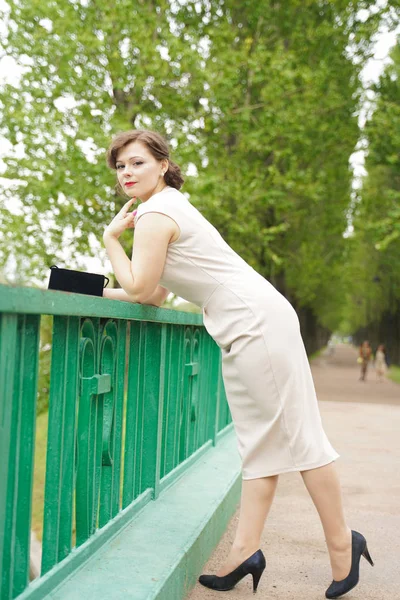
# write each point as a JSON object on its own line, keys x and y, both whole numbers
{"x": 367, "y": 556}
{"x": 256, "y": 579}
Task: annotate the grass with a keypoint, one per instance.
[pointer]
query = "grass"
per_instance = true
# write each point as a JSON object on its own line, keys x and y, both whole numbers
{"x": 315, "y": 355}
{"x": 394, "y": 373}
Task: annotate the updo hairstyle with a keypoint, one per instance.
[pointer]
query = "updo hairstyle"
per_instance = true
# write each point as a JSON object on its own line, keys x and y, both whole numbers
{"x": 155, "y": 143}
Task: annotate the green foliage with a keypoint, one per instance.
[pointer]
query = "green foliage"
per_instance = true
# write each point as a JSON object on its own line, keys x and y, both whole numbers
{"x": 104, "y": 60}
{"x": 394, "y": 373}
{"x": 372, "y": 268}
{"x": 260, "y": 96}
{"x": 381, "y": 191}
{"x": 279, "y": 127}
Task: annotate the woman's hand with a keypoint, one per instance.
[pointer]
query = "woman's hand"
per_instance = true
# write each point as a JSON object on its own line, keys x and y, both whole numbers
{"x": 123, "y": 220}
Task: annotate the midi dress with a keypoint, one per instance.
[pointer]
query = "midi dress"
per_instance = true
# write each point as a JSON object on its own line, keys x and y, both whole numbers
{"x": 266, "y": 373}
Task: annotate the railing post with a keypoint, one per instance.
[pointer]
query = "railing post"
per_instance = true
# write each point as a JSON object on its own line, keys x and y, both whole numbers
{"x": 60, "y": 462}
{"x": 112, "y": 360}
{"x": 174, "y": 379}
{"x": 215, "y": 392}
{"x": 19, "y": 351}
{"x": 155, "y": 347}
{"x": 8, "y": 342}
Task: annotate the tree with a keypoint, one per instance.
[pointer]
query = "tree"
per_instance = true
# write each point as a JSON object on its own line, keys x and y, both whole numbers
{"x": 90, "y": 69}
{"x": 260, "y": 96}
{"x": 279, "y": 126}
{"x": 375, "y": 248}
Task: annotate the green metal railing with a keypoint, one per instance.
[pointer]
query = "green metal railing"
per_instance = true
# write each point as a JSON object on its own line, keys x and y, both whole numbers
{"x": 136, "y": 395}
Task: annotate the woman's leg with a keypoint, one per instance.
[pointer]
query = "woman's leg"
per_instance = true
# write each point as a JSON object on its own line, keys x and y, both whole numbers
{"x": 256, "y": 500}
{"x": 324, "y": 488}
{"x": 257, "y": 496}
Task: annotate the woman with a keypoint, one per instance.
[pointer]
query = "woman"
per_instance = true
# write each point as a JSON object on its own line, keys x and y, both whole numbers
{"x": 380, "y": 363}
{"x": 270, "y": 391}
{"x": 365, "y": 357}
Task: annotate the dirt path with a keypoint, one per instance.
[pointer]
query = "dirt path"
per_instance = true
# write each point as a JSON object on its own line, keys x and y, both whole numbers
{"x": 337, "y": 378}
{"x": 362, "y": 421}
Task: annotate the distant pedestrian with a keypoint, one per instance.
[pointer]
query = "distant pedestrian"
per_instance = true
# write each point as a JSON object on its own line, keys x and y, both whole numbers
{"x": 380, "y": 363}
{"x": 365, "y": 355}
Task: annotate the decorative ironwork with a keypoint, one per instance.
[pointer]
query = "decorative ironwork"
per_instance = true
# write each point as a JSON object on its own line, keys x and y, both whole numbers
{"x": 134, "y": 392}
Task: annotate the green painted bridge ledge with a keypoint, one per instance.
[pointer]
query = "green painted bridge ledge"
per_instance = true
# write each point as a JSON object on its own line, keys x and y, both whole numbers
{"x": 142, "y": 472}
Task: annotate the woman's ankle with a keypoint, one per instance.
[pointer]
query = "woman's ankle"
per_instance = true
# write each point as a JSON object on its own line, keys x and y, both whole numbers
{"x": 339, "y": 542}
{"x": 245, "y": 546}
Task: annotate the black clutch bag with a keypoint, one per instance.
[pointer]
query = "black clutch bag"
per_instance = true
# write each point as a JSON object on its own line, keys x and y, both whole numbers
{"x": 79, "y": 282}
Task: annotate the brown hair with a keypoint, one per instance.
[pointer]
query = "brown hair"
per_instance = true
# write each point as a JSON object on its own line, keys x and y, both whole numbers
{"x": 155, "y": 143}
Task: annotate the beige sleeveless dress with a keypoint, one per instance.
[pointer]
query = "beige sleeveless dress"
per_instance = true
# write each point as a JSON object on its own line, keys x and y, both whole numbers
{"x": 267, "y": 377}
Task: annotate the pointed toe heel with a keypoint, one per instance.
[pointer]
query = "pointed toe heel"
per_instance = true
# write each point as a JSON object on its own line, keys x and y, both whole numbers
{"x": 253, "y": 566}
{"x": 358, "y": 548}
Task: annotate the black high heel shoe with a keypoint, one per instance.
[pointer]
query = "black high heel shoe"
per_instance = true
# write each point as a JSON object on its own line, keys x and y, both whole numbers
{"x": 254, "y": 566}
{"x": 358, "y": 549}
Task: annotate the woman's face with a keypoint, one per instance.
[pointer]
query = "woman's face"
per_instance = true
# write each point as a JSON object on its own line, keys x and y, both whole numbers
{"x": 139, "y": 174}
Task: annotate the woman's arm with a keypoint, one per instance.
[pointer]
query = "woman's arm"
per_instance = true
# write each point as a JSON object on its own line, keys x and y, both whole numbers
{"x": 121, "y": 265}
{"x": 117, "y": 294}
{"x": 122, "y": 268}
{"x": 139, "y": 278}
{"x": 156, "y": 299}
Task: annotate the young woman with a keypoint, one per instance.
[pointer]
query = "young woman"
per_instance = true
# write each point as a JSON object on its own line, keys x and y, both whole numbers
{"x": 380, "y": 363}
{"x": 266, "y": 373}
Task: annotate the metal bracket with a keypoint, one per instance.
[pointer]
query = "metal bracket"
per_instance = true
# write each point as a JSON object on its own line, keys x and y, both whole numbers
{"x": 98, "y": 384}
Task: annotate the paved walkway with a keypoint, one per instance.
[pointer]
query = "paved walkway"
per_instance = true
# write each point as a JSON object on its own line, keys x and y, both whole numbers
{"x": 362, "y": 421}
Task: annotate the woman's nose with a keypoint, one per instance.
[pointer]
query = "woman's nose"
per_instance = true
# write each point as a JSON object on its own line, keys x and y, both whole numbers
{"x": 127, "y": 170}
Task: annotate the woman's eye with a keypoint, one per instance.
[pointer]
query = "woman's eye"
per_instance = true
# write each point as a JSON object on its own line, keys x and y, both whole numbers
{"x": 135, "y": 164}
